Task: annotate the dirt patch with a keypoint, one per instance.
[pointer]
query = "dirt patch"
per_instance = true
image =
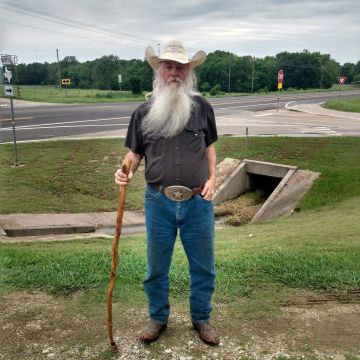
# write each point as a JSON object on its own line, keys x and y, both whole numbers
{"x": 38, "y": 326}
{"x": 241, "y": 210}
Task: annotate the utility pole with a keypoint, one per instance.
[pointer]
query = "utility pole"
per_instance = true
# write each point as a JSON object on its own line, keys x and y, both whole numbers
{"x": 8, "y": 62}
{"x": 229, "y": 84}
{"x": 253, "y": 73}
{"x": 321, "y": 76}
{"x": 57, "y": 55}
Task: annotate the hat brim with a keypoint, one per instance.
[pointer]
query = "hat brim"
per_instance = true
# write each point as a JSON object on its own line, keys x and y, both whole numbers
{"x": 155, "y": 60}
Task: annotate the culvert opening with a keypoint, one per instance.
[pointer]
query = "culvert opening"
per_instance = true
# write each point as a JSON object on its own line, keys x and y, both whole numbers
{"x": 265, "y": 184}
{"x": 240, "y": 210}
{"x": 254, "y": 191}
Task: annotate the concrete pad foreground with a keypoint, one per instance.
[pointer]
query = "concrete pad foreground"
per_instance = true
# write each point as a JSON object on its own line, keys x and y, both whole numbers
{"x": 46, "y": 226}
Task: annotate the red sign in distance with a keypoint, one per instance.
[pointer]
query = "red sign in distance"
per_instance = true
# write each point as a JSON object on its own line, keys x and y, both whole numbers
{"x": 280, "y": 76}
{"x": 342, "y": 80}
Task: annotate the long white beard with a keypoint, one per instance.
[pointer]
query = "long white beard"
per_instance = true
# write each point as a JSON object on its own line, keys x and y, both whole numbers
{"x": 171, "y": 107}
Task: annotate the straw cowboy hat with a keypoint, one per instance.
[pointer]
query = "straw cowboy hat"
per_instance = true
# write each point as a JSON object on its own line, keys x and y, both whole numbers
{"x": 174, "y": 51}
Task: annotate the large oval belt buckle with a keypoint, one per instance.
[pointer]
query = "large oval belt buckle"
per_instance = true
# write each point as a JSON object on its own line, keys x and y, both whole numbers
{"x": 178, "y": 193}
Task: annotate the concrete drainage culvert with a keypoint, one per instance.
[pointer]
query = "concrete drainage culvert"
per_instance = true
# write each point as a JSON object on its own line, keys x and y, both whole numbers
{"x": 267, "y": 190}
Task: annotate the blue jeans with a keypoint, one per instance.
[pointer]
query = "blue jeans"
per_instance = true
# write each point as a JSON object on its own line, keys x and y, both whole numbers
{"x": 195, "y": 220}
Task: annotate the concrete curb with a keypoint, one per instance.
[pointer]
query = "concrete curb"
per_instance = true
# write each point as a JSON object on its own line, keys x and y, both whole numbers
{"x": 319, "y": 110}
{"x": 34, "y": 225}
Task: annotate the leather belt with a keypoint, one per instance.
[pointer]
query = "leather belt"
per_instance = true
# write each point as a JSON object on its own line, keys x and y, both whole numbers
{"x": 178, "y": 192}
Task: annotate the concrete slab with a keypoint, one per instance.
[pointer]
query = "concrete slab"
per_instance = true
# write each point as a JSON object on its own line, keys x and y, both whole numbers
{"x": 319, "y": 109}
{"x": 283, "y": 200}
{"x": 46, "y": 224}
{"x": 287, "y": 195}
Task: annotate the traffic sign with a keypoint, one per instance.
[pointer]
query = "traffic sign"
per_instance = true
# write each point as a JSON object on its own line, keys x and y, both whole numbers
{"x": 7, "y": 74}
{"x": 280, "y": 76}
{"x": 120, "y": 78}
{"x": 65, "y": 82}
{"x": 7, "y": 59}
{"x": 8, "y": 90}
{"x": 279, "y": 85}
{"x": 342, "y": 80}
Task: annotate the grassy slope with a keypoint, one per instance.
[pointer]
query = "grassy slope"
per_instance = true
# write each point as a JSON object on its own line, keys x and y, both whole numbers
{"x": 351, "y": 105}
{"x": 77, "y": 176}
{"x": 53, "y": 94}
{"x": 309, "y": 250}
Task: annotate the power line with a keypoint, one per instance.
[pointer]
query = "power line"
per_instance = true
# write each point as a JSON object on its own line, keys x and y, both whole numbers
{"x": 65, "y": 34}
{"x": 74, "y": 23}
{"x": 82, "y": 24}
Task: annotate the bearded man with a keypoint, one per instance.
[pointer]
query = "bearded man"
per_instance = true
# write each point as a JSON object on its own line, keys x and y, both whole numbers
{"x": 174, "y": 131}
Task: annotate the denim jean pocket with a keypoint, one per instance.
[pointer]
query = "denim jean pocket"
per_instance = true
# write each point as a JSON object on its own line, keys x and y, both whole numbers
{"x": 203, "y": 199}
{"x": 151, "y": 193}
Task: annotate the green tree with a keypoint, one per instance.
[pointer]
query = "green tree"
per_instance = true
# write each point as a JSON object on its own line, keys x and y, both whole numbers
{"x": 348, "y": 70}
{"x": 104, "y": 72}
{"x": 135, "y": 85}
{"x": 301, "y": 70}
{"x": 329, "y": 71}
{"x": 215, "y": 70}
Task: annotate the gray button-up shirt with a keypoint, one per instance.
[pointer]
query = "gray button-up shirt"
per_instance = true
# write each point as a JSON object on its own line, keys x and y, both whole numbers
{"x": 179, "y": 160}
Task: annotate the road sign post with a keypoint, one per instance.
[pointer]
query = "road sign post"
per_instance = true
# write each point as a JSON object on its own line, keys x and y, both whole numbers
{"x": 341, "y": 80}
{"x": 280, "y": 85}
{"x": 120, "y": 81}
{"x": 7, "y": 62}
{"x": 65, "y": 82}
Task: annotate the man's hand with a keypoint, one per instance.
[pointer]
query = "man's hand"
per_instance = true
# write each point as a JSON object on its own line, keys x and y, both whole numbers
{"x": 121, "y": 178}
{"x": 209, "y": 189}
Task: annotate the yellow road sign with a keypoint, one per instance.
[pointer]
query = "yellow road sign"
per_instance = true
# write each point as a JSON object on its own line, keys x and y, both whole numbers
{"x": 279, "y": 85}
{"x": 65, "y": 82}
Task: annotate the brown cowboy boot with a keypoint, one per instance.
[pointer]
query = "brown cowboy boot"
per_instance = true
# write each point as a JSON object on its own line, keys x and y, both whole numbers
{"x": 207, "y": 332}
{"x": 151, "y": 331}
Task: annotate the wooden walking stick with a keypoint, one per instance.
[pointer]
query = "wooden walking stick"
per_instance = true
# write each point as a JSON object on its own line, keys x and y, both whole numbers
{"x": 115, "y": 253}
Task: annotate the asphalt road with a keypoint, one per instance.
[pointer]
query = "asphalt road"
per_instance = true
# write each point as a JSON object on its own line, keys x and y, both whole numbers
{"x": 40, "y": 121}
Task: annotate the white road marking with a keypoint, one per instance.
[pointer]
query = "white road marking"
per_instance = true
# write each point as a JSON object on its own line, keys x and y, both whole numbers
{"x": 257, "y": 125}
{"x": 254, "y": 105}
{"x": 260, "y": 115}
{"x": 58, "y": 127}
{"x": 51, "y": 125}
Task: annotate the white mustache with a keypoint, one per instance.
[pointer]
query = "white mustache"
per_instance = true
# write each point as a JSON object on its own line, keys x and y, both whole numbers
{"x": 174, "y": 79}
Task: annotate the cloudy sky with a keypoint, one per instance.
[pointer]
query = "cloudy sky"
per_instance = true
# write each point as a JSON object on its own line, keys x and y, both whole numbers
{"x": 88, "y": 29}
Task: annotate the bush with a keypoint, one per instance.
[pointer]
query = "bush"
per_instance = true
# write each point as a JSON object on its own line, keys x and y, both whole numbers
{"x": 215, "y": 90}
{"x": 135, "y": 85}
{"x": 205, "y": 87}
{"x": 108, "y": 95}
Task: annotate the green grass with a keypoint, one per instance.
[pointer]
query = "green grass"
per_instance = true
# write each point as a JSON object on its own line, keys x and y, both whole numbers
{"x": 310, "y": 250}
{"x": 351, "y": 105}
{"x": 78, "y": 175}
{"x": 65, "y": 176}
{"x": 53, "y": 94}
{"x": 289, "y": 91}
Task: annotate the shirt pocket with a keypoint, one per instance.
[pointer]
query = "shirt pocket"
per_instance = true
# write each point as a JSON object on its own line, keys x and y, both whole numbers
{"x": 155, "y": 146}
{"x": 195, "y": 140}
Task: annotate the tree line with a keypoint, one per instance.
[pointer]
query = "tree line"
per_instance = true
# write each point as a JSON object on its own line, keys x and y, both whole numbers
{"x": 221, "y": 72}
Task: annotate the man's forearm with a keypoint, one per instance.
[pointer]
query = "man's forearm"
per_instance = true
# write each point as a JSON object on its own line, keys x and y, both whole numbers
{"x": 210, "y": 154}
{"x": 135, "y": 160}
